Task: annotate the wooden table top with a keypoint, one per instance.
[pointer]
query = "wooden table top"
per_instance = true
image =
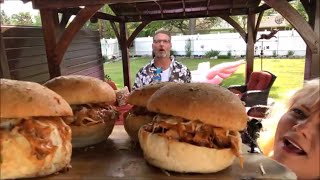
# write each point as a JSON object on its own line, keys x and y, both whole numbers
{"x": 118, "y": 157}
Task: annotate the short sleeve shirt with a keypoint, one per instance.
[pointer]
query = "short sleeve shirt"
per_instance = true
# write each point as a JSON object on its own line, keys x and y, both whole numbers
{"x": 178, "y": 73}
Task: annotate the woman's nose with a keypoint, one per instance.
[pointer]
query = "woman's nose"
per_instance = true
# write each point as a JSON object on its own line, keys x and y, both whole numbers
{"x": 306, "y": 127}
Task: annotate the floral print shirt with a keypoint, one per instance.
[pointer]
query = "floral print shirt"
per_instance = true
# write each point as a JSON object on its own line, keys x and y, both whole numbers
{"x": 178, "y": 73}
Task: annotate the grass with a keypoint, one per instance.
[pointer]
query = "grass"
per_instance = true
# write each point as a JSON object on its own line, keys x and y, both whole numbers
{"x": 289, "y": 72}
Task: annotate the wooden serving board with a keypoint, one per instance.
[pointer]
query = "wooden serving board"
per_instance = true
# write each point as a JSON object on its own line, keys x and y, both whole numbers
{"x": 118, "y": 157}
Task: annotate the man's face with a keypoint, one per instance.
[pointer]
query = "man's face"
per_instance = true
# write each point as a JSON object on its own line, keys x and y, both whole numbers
{"x": 297, "y": 139}
{"x": 161, "y": 45}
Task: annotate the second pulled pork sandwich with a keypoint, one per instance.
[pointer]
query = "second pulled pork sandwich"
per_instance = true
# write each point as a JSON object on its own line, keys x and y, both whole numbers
{"x": 34, "y": 139}
{"x": 91, "y": 100}
{"x": 139, "y": 115}
{"x": 196, "y": 129}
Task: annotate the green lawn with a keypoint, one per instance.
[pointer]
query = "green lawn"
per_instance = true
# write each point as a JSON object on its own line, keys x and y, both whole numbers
{"x": 289, "y": 72}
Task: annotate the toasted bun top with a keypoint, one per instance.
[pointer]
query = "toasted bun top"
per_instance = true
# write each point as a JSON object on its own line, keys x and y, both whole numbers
{"x": 208, "y": 103}
{"x": 20, "y": 99}
{"x": 78, "y": 89}
{"x": 140, "y": 96}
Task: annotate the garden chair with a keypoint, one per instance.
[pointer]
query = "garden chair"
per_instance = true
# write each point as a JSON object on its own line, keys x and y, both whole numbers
{"x": 256, "y": 91}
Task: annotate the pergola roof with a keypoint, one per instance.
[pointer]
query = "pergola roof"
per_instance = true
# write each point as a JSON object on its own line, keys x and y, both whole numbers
{"x": 145, "y": 11}
{"x": 156, "y": 10}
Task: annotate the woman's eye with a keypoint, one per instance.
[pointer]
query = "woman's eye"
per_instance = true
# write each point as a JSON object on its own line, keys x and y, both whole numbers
{"x": 299, "y": 113}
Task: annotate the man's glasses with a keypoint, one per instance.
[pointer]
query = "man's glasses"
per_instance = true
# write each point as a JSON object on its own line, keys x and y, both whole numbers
{"x": 163, "y": 41}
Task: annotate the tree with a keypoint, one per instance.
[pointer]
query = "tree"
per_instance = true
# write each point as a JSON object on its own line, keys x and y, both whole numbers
{"x": 23, "y": 18}
{"x": 5, "y": 20}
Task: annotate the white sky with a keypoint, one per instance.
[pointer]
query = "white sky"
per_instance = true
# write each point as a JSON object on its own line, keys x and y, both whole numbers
{"x": 15, "y": 6}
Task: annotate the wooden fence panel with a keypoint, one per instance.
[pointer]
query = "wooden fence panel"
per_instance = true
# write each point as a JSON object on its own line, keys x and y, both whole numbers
{"x": 26, "y": 55}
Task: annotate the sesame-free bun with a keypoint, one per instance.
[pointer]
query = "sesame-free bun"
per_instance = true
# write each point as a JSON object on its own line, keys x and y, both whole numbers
{"x": 132, "y": 124}
{"x": 88, "y": 135}
{"x": 140, "y": 96}
{"x": 183, "y": 157}
{"x": 20, "y": 99}
{"x": 78, "y": 89}
{"x": 22, "y": 155}
{"x": 209, "y": 103}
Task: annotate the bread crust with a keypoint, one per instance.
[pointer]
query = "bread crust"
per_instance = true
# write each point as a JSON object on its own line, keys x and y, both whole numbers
{"x": 132, "y": 124}
{"x": 18, "y": 159}
{"x": 140, "y": 96}
{"x": 78, "y": 89}
{"x": 183, "y": 157}
{"x": 20, "y": 99}
{"x": 88, "y": 135}
{"x": 208, "y": 103}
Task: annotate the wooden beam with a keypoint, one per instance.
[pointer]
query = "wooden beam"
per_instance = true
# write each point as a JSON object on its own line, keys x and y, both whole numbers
{"x": 257, "y": 26}
{"x": 4, "y": 66}
{"x": 99, "y": 15}
{"x": 115, "y": 29}
{"x": 136, "y": 32}
{"x": 186, "y": 15}
{"x": 49, "y": 4}
{"x": 297, "y": 21}
{"x": 83, "y": 16}
{"x": 236, "y": 26}
{"x": 250, "y": 46}
{"x": 64, "y": 20}
{"x": 50, "y": 29}
{"x": 125, "y": 55}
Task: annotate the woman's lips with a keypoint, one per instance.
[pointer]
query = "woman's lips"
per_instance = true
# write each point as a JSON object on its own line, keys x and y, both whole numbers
{"x": 292, "y": 147}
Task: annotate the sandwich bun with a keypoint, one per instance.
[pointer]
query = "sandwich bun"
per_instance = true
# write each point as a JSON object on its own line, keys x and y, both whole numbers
{"x": 80, "y": 90}
{"x": 139, "y": 97}
{"x": 34, "y": 139}
{"x": 21, "y": 99}
{"x": 183, "y": 157}
{"x": 191, "y": 116}
{"x": 211, "y": 104}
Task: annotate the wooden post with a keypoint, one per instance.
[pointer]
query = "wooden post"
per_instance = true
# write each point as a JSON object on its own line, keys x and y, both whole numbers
{"x": 4, "y": 67}
{"x": 49, "y": 28}
{"x": 250, "y": 45}
{"x": 125, "y": 54}
{"x": 312, "y": 68}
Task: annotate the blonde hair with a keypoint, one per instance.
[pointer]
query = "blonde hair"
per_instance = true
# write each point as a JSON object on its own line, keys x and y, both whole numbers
{"x": 310, "y": 92}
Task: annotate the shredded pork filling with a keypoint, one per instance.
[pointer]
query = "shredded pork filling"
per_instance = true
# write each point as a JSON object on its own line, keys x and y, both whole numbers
{"x": 90, "y": 114}
{"x": 194, "y": 132}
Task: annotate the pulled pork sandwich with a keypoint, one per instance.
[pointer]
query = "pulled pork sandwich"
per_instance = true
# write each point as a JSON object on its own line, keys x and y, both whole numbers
{"x": 91, "y": 100}
{"x": 196, "y": 129}
{"x": 34, "y": 140}
{"x": 138, "y": 115}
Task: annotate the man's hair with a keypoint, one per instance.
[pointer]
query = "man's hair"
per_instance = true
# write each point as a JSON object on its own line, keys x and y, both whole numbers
{"x": 162, "y": 32}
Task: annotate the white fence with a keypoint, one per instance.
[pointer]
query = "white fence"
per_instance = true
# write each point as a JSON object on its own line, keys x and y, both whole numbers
{"x": 280, "y": 45}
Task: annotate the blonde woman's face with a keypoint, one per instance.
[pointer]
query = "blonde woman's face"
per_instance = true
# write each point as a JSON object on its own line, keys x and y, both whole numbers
{"x": 297, "y": 139}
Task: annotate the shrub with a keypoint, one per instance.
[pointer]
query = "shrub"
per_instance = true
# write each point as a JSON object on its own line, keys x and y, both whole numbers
{"x": 188, "y": 48}
{"x": 224, "y": 57}
{"x": 211, "y": 53}
{"x": 173, "y": 52}
{"x": 229, "y": 54}
{"x": 290, "y": 53}
{"x": 274, "y": 53}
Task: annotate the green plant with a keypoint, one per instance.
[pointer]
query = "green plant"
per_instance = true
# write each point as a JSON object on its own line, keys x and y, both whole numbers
{"x": 274, "y": 53}
{"x": 173, "y": 52}
{"x": 188, "y": 48}
{"x": 212, "y": 53}
{"x": 290, "y": 53}
{"x": 229, "y": 54}
{"x": 224, "y": 57}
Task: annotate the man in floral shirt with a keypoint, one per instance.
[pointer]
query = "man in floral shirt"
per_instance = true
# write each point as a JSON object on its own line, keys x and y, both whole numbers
{"x": 163, "y": 67}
